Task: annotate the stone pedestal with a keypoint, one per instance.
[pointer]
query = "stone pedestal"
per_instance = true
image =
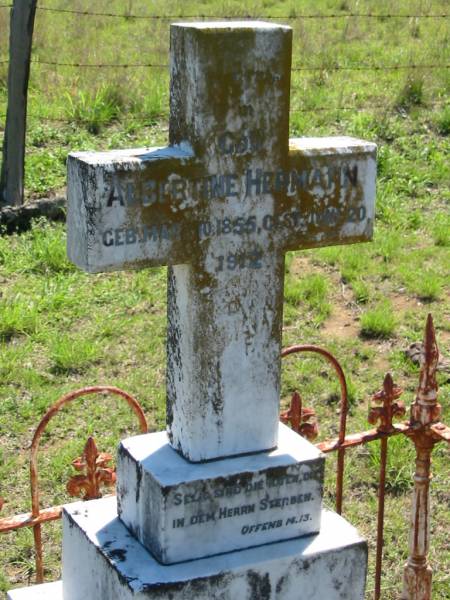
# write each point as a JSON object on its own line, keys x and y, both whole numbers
{"x": 45, "y": 591}
{"x": 101, "y": 560}
{"x": 167, "y": 502}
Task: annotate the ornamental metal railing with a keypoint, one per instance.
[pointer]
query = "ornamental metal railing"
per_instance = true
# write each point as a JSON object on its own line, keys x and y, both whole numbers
{"x": 423, "y": 428}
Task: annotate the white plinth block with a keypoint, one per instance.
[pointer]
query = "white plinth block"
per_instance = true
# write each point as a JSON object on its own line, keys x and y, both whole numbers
{"x": 167, "y": 502}
{"x": 45, "y": 591}
{"x": 102, "y": 561}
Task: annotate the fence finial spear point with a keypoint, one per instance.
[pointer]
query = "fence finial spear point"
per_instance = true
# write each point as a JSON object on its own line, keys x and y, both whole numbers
{"x": 388, "y": 385}
{"x": 389, "y": 409}
{"x": 431, "y": 350}
{"x": 90, "y": 447}
{"x": 428, "y": 386}
{"x": 425, "y": 409}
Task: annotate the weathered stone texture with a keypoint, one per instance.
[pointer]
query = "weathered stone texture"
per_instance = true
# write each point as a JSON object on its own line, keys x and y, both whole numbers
{"x": 223, "y": 505}
{"x": 102, "y": 560}
{"x": 221, "y": 205}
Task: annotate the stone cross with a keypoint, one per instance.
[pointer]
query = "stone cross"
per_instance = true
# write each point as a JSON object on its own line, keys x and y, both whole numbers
{"x": 221, "y": 205}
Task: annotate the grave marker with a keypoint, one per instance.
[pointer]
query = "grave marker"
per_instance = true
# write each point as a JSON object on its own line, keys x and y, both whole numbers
{"x": 221, "y": 205}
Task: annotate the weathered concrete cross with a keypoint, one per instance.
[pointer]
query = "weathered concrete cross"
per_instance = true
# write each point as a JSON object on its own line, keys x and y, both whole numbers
{"x": 221, "y": 205}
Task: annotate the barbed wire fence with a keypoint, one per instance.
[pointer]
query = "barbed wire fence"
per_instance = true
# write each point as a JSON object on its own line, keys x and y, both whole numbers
{"x": 293, "y": 16}
{"x": 343, "y": 15}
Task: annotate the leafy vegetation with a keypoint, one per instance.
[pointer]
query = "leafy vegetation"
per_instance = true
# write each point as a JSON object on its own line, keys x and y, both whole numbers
{"x": 61, "y": 329}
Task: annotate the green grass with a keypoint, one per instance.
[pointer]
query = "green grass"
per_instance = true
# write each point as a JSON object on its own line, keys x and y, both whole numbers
{"x": 378, "y": 322}
{"x": 442, "y": 121}
{"x": 61, "y": 329}
{"x": 361, "y": 290}
{"x": 412, "y": 94}
{"x": 399, "y": 464}
{"x": 441, "y": 229}
{"x": 95, "y": 110}
{"x": 73, "y": 354}
{"x": 309, "y": 291}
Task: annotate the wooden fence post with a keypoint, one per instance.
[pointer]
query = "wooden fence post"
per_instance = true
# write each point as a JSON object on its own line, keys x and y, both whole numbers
{"x": 20, "y": 42}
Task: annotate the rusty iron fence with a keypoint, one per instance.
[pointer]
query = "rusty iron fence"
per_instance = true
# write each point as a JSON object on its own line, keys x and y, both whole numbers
{"x": 423, "y": 428}
{"x": 92, "y": 466}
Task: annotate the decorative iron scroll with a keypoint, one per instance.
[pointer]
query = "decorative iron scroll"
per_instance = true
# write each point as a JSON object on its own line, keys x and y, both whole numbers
{"x": 94, "y": 472}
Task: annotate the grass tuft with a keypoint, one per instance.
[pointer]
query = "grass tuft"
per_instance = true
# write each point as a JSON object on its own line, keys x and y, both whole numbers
{"x": 441, "y": 229}
{"x": 428, "y": 286}
{"x": 361, "y": 290}
{"x": 18, "y": 316}
{"x": 41, "y": 251}
{"x": 442, "y": 121}
{"x": 95, "y": 109}
{"x": 71, "y": 354}
{"x": 412, "y": 94}
{"x": 378, "y": 322}
{"x": 312, "y": 289}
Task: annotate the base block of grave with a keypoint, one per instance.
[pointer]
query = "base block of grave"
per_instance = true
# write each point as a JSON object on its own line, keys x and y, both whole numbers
{"x": 182, "y": 511}
{"x": 44, "y": 591}
{"x": 101, "y": 560}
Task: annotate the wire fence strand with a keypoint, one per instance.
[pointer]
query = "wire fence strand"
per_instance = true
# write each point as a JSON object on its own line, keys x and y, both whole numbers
{"x": 347, "y": 15}
{"x": 363, "y": 67}
{"x": 355, "y": 15}
{"x": 100, "y": 65}
{"x": 357, "y": 67}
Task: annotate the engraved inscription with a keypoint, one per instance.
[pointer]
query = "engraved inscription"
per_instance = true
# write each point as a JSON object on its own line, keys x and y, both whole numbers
{"x": 176, "y": 191}
{"x": 294, "y": 220}
{"x": 270, "y": 495}
{"x": 122, "y": 236}
{"x": 237, "y": 144}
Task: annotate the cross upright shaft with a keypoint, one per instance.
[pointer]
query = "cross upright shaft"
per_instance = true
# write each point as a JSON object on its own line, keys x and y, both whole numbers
{"x": 221, "y": 206}
{"x": 230, "y": 103}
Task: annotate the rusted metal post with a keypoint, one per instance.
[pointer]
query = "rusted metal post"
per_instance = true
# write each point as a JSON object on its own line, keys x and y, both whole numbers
{"x": 13, "y": 161}
{"x": 417, "y": 577}
{"x": 426, "y": 432}
{"x": 384, "y": 414}
{"x": 380, "y": 517}
{"x": 38, "y": 556}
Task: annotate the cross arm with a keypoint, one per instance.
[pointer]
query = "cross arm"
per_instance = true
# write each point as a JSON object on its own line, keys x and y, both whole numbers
{"x": 329, "y": 192}
{"x": 130, "y": 208}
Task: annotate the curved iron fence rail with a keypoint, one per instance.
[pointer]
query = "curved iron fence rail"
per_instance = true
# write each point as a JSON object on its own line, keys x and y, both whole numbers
{"x": 92, "y": 461}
